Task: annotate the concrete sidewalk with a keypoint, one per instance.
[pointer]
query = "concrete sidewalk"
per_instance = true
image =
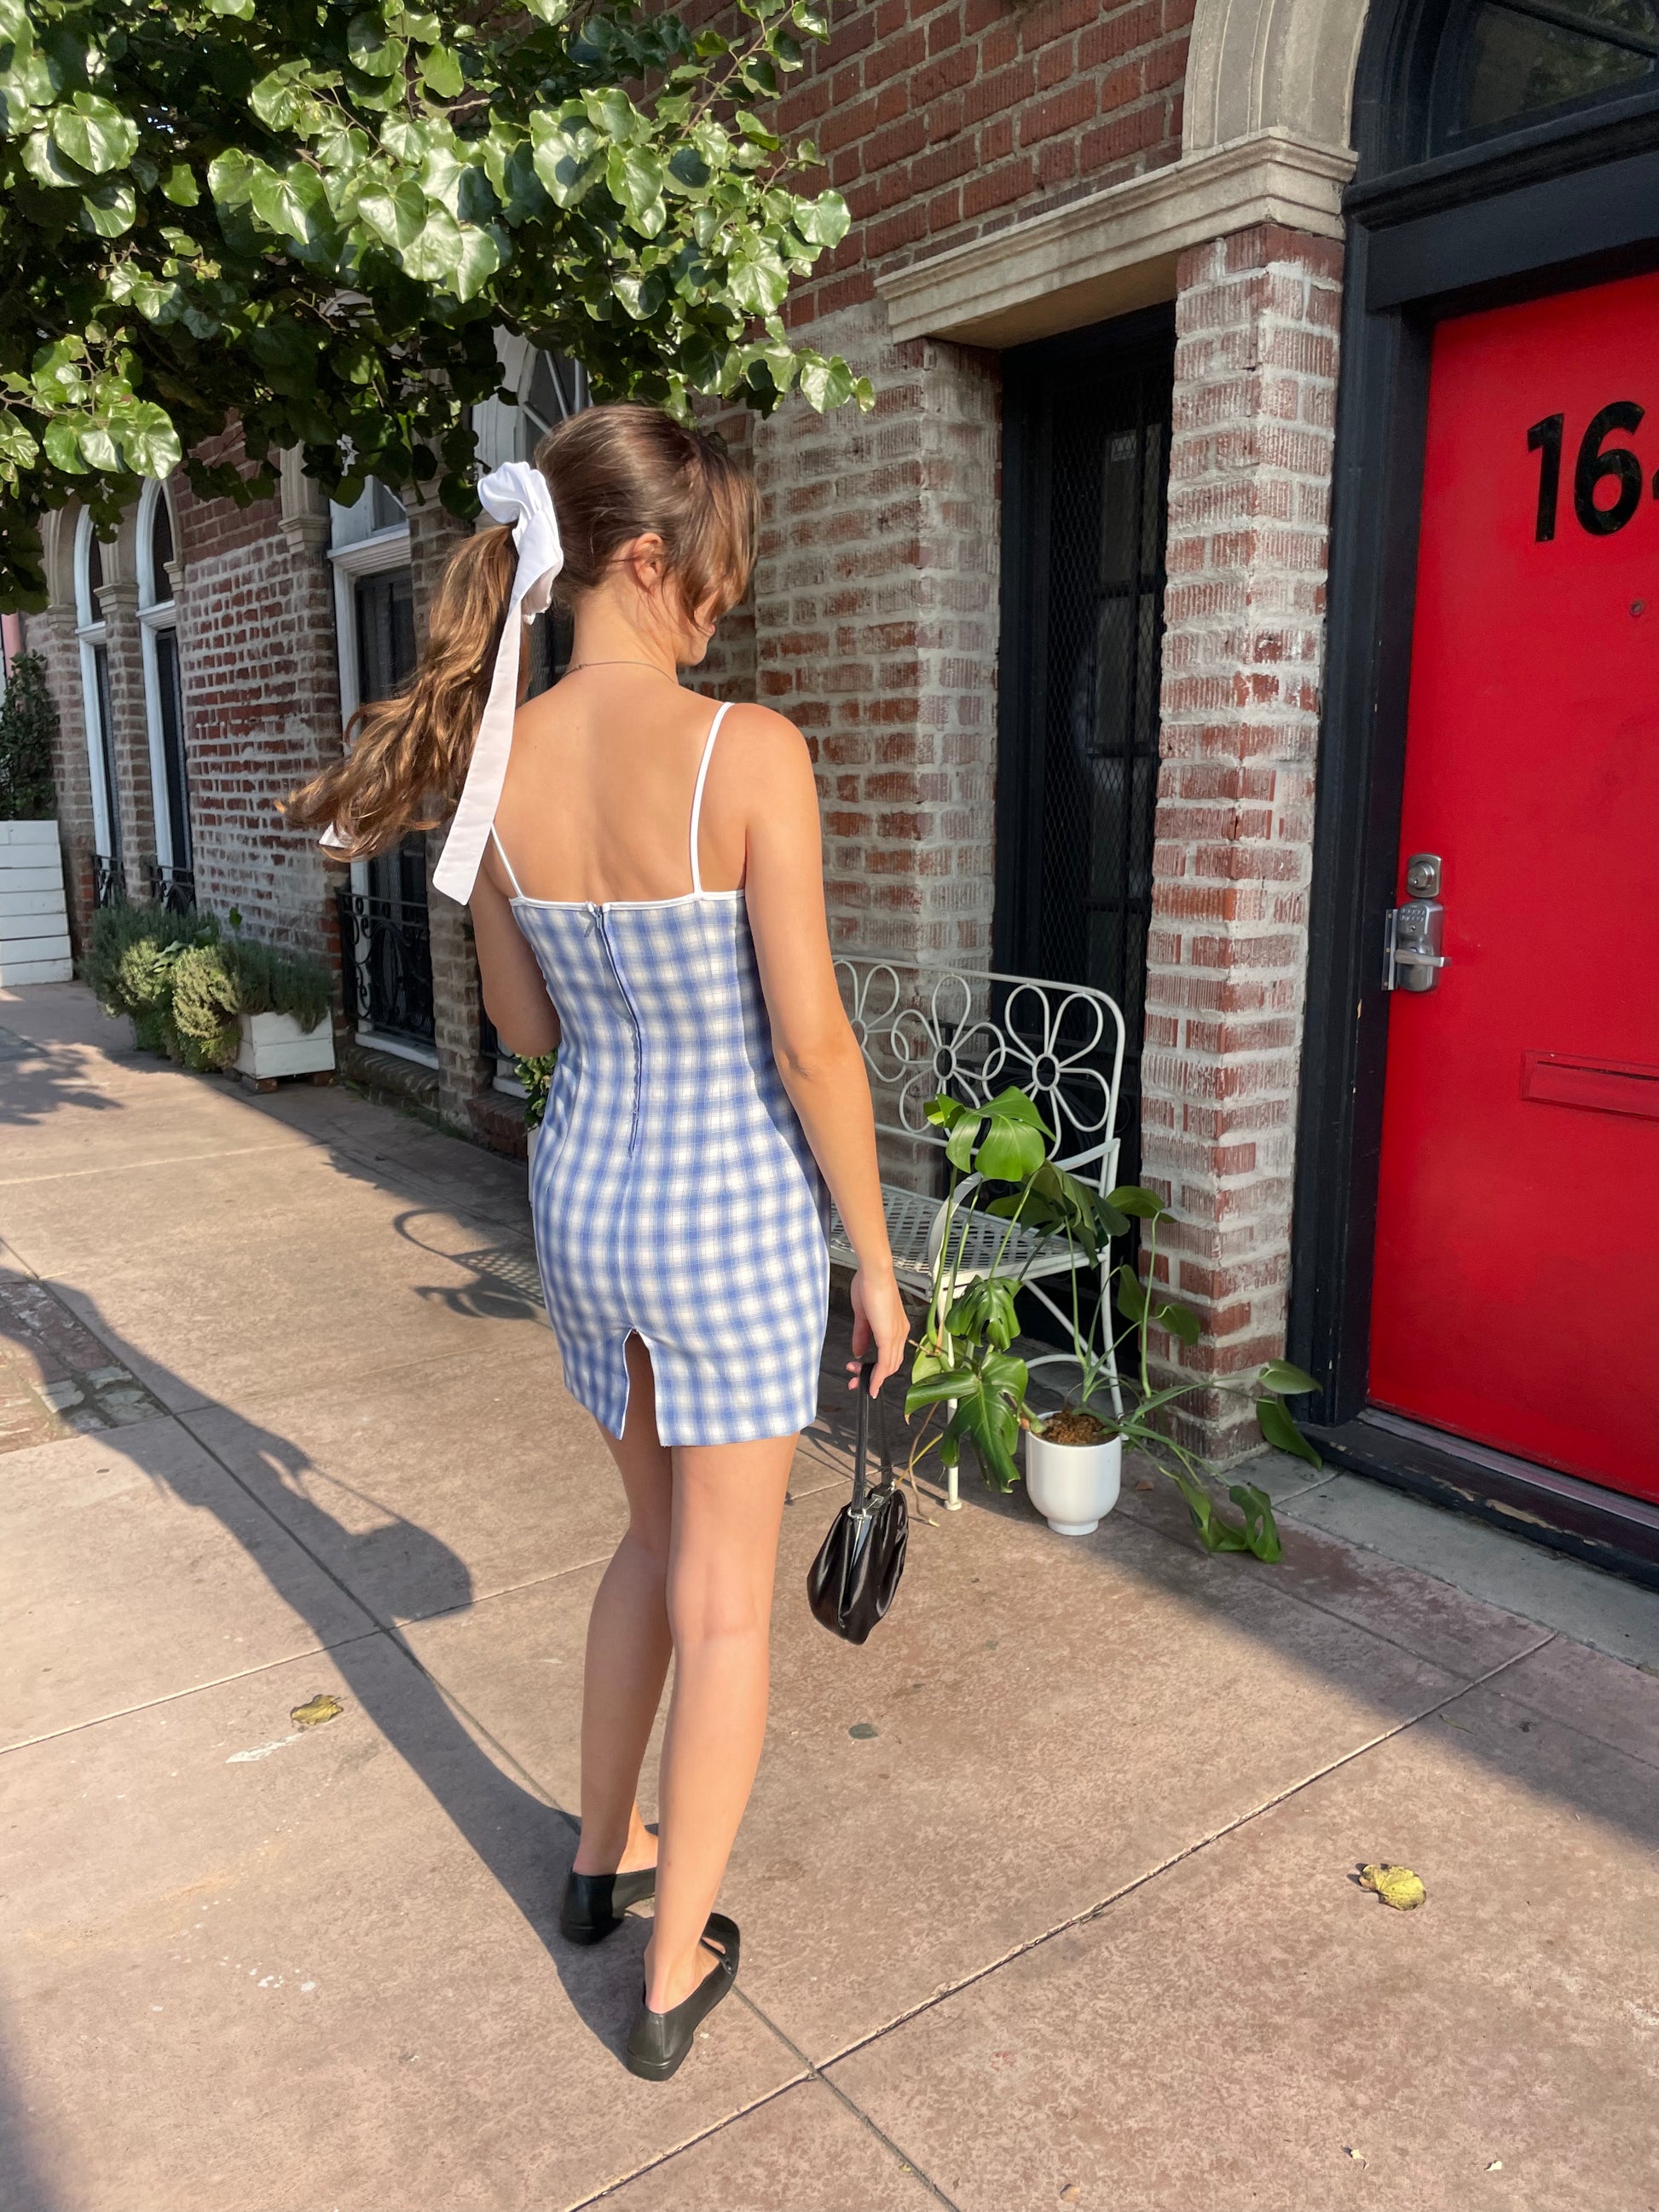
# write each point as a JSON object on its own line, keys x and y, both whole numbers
{"x": 1047, "y": 1893}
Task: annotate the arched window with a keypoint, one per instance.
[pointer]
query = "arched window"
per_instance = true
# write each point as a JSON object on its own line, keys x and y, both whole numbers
{"x": 172, "y": 878}
{"x": 1503, "y": 64}
{"x": 92, "y": 633}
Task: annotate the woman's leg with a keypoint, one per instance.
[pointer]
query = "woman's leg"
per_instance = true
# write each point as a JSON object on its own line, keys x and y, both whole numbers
{"x": 728, "y": 1504}
{"x": 628, "y": 1641}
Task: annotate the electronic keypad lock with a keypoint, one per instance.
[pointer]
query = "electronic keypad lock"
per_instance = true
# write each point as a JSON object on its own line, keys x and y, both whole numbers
{"x": 1411, "y": 958}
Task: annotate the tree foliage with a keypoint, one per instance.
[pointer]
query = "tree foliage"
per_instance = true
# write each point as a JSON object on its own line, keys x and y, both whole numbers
{"x": 314, "y": 214}
{"x": 29, "y": 725}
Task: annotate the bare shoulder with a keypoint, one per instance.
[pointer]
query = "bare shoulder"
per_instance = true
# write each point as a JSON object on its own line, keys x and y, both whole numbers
{"x": 763, "y": 752}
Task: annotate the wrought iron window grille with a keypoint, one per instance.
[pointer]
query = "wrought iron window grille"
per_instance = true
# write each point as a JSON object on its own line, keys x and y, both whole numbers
{"x": 386, "y": 963}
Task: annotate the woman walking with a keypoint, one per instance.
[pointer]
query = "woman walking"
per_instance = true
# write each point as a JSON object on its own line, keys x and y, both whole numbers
{"x": 645, "y": 878}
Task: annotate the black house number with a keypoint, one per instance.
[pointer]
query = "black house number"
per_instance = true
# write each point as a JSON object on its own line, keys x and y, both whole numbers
{"x": 1597, "y": 463}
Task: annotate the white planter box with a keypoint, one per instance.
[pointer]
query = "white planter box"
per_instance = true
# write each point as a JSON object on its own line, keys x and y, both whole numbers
{"x": 274, "y": 1044}
{"x": 34, "y": 945}
{"x": 1072, "y": 1485}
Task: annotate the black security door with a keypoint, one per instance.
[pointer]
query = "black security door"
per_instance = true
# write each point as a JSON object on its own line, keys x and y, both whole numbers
{"x": 1086, "y": 450}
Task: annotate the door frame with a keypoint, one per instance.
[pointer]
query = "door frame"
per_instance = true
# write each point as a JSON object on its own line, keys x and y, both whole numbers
{"x": 1561, "y": 204}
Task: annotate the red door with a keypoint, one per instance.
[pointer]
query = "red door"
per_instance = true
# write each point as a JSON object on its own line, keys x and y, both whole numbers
{"x": 1516, "y": 1300}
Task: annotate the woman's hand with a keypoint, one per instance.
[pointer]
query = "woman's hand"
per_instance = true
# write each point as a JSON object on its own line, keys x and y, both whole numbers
{"x": 878, "y": 1318}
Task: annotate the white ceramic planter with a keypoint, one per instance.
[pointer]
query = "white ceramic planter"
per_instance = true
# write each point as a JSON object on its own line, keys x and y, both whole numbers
{"x": 1072, "y": 1485}
{"x": 274, "y": 1044}
{"x": 34, "y": 946}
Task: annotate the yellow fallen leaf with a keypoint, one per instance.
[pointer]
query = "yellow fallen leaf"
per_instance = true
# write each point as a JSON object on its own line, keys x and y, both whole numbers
{"x": 319, "y": 1710}
{"x": 1396, "y": 1886}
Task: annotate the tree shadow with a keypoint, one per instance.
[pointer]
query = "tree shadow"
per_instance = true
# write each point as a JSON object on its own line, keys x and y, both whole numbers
{"x": 43, "y": 1079}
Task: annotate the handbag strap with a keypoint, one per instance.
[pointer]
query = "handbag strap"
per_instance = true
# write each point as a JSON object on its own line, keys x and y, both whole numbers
{"x": 862, "y": 1452}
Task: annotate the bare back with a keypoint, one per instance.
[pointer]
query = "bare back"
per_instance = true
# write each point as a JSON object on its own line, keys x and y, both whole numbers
{"x": 600, "y": 792}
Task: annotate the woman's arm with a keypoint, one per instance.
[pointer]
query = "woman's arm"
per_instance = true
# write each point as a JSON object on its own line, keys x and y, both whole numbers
{"x": 812, "y": 1040}
{"x": 514, "y": 989}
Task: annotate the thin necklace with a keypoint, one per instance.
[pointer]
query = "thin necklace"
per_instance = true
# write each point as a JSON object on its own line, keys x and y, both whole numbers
{"x": 651, "y": 664}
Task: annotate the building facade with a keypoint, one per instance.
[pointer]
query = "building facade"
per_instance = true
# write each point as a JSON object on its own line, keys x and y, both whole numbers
{"x": 1242, "y": 571}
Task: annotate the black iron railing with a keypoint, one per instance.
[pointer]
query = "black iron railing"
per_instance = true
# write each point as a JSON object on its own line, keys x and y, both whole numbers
{"x": 386, "y": 954}
{"x": 173, "y": 888}
{"x": 109, "y": 880}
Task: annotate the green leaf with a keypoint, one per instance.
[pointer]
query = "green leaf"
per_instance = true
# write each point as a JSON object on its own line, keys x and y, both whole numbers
{"x": 613, "y": 113}
{"x": 48, "y": 164}
{"x": 633, "y": 179}
{"x": 1011, "y": 1149}
{"x": 1282, "y": 1432}
{"x": 95, "y": 133}
{"x": 62, "y": 439}
{"x": 180, "y": 186}
{"x": 441, "y": 74}
{"x": 150, "y": 447}
{"x": 277, "y": 204}
{"x": 484, "y": 250}
{"x": 824, "y": 221}
{"x": 1131, "y": 1298}
{"x": 1260, "y": 1530}
{"x": 1181, "y": 1321}
{"x": 397, "y": 216}
{"x": 964, "y": 1135}
{"x": 109, "y": 210}
{"x": 943, "y": 1111}
{"x": 1144, "y": 1205}
{"x": 565, "y": 158}
{"x": 1289, "y": 1381}
{"x": 18, "y": 446}
{"x": 371, "y": 50}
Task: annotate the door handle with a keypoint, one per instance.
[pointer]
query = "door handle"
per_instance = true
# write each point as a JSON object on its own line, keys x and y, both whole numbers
{"x": 1414, "y": 933}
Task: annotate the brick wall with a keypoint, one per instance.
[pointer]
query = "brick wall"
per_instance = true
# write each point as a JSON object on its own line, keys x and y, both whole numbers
{"x": 1250, "y": 484}
{"x": 262, "y": 708}
{"x": 942, "y": 119}
{"x": 876, "y": 615}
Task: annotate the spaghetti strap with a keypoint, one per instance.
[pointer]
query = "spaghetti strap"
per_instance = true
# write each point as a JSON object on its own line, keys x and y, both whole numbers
{"x": 517, "y": 887}
{"x": 696, "y": 796}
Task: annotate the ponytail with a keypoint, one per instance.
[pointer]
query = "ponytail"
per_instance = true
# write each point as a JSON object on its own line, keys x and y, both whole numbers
{"x": 409, "y": 754}
{"x": 615, "y": 472}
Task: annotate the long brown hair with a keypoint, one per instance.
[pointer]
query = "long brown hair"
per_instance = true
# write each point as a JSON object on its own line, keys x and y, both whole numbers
{"x": 615, "y": 472}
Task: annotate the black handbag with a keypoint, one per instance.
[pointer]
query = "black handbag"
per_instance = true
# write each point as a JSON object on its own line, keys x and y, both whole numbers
{"x": 855, "y": 1576}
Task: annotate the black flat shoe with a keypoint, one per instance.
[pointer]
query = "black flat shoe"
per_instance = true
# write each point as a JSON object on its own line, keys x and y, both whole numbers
{"x": 658, "y": 2041}
{"x": 593, "y": 1903}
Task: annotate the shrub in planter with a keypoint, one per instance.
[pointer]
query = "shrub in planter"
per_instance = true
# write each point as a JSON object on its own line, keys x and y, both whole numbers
{"x": 187, "y": 987}
{"x": 204, "y": 1008}
{"x": 130, "y": 963}
{"x": 536, "y": 1075}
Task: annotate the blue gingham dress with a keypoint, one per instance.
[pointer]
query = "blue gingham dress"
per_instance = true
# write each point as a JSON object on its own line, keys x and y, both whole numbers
{"x": 673, "y": 1190}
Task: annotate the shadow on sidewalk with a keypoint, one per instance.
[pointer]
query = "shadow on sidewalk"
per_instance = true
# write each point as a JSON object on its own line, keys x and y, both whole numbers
{"x": 22, "y": 2183}
{"x": 524, "y": 1841}
{"x": 42, "y": 1078}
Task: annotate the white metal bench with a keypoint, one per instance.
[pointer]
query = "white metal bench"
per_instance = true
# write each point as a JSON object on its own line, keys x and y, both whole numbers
{"x": 972, "y": 1033}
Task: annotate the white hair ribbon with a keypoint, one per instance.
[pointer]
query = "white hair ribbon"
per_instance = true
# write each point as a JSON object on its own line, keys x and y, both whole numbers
{"x": 515, "y": 493}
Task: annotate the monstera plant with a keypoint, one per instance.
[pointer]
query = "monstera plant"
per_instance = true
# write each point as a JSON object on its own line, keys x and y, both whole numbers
{"x": 966, "y": 1361}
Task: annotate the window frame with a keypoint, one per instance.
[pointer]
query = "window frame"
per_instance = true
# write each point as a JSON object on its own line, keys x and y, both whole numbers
{"x": 91, "y": 639}
{"x": 156, "y": 614}
{"x": 1451, "y": 62}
